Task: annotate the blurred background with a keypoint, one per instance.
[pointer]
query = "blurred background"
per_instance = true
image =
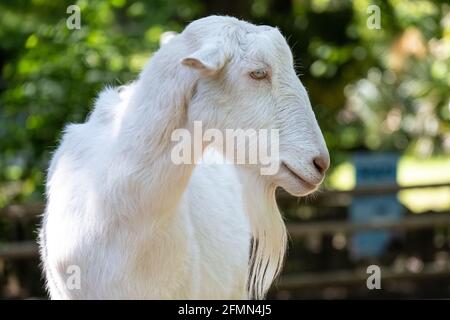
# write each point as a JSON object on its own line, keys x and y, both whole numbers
{"x": 378, "y": 77}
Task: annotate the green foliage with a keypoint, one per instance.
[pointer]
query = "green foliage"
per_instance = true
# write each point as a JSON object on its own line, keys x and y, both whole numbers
{"x": 402, "y": 103}
{"x": 50, "y": 74}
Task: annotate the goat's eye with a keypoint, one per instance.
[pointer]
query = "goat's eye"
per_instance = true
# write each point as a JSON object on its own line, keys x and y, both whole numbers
{"x": 259, "y": 74}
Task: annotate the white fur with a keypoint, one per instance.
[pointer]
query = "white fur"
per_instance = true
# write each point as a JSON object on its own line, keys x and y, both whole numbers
{"x": 139, "y": 226}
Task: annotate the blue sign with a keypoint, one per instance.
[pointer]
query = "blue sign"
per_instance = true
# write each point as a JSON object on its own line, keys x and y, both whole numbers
{"x": 373, "y": 170}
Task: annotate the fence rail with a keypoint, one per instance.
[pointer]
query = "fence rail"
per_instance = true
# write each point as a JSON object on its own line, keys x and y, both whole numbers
{"x": 345, "y": 277}
{"x": 19, "y": 250}
{"x": 30, "y": 210}
{"x": 333, "y": 227}
{"x": 381, "y": 189}
{"x": 29, "y": 249}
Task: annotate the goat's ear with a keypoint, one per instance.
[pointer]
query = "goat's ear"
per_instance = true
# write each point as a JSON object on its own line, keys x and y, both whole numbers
{"x": 209, "y": 59}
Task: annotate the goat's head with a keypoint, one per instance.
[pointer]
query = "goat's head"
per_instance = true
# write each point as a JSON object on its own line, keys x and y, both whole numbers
{"x": 246, "y": 79}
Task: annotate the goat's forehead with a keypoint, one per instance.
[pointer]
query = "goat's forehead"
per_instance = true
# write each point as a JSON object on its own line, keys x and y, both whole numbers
{"x": 270, "y": 47}
{"x": 228, "y": 27}
{"x": 214, "y": 24}
{"x": 272, "y": 40}
{"x": 263, "y": 40}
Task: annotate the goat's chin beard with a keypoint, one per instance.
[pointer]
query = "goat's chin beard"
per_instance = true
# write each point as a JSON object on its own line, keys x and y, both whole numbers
{"x": 268, "y": 232}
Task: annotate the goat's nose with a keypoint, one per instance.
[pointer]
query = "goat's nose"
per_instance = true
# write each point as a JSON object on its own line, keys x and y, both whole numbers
{"x": 321, "y": 163}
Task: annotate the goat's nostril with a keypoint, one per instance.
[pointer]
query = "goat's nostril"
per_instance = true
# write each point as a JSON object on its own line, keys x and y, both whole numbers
{"x": 321, "y": 164}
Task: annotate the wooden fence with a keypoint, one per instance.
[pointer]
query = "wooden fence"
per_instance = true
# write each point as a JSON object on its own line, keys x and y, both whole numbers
{"x": 29, "y": 249}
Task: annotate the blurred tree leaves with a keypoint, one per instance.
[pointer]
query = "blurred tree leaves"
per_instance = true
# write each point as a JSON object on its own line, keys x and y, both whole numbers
{"x": 384, "y": 89}
{"x": 50, "y": 74}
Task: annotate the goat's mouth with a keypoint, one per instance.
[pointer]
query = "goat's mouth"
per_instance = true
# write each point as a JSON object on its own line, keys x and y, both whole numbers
{"x": 298, "y": 176}
{"x": 294, "y": 182}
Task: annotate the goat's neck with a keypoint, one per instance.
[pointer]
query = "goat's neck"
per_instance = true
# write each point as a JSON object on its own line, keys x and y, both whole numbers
{"x": 156, "y": 108}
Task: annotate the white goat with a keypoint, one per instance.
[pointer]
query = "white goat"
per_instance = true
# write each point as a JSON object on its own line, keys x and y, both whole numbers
{"x": 137, "y": 226}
